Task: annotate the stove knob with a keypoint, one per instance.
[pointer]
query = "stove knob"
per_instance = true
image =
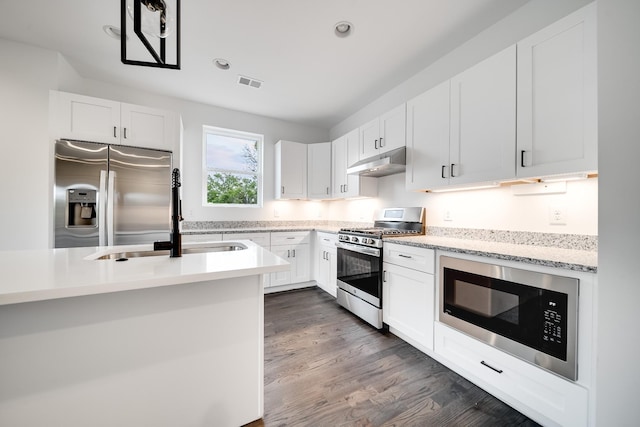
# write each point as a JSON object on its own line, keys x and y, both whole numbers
{"x": 354, "y": 239}
{"x": 367, "y": 241}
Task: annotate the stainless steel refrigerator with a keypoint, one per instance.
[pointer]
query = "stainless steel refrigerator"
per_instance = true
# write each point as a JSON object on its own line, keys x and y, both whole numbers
{"x": 110, "y": 194}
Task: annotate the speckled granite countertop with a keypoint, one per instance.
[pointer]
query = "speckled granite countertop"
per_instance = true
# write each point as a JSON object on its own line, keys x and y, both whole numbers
{"x": 570, "y": 259}
{"x": 566, "y": 251}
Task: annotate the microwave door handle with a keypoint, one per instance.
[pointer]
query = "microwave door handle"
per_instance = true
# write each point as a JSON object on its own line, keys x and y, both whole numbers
{"x": 102, "y": 209}
{"x": 110, "y": 202}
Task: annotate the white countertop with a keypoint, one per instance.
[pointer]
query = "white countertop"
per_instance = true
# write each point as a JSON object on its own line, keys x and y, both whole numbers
{"x": 36, "y": 275}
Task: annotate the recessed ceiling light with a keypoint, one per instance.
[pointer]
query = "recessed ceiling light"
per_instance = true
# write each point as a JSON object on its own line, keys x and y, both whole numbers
{"x": 343, "y": 28}
{"x": 221, "y": 63}
{"x": 113, "y": 32}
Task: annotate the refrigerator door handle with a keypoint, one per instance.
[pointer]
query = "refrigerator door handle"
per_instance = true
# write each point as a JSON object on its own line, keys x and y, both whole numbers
{"x": 102, "y": 209}
{"x": 111, "y": 195}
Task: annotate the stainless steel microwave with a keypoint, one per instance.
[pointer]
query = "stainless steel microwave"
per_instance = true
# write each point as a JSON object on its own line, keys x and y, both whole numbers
{"x": 531, "y": 315}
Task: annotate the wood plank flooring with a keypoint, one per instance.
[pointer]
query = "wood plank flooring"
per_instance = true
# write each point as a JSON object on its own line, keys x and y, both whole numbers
{"x": 326, "y": 367}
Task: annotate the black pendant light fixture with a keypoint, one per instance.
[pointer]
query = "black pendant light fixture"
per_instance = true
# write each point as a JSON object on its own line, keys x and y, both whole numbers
{"x": 156, "y": 26}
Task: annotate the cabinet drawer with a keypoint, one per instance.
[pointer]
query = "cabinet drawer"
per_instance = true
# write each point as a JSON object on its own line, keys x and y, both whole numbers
{"x": 410, "y": 256}
{"x": 542, "y": 396}
{"x": 327, "y": 238}
{"x": 262, "y": 239}
{"x": 289, "y": 238}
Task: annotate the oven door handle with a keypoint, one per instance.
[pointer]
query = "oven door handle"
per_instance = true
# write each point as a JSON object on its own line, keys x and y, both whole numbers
{"x": 360, "y": 249}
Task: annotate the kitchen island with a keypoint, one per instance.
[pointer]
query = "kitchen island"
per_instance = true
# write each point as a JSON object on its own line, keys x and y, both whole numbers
{"x": 147, "y": 341}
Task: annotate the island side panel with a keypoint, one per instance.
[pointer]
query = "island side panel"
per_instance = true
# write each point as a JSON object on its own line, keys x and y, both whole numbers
{"x": 187, "y": 355}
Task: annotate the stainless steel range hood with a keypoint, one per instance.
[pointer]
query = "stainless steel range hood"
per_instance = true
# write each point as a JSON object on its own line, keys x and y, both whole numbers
{"x": 382, "y": 164}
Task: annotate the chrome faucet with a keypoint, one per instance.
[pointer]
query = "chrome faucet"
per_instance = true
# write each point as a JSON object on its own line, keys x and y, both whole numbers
{"x": 174, "y": 245}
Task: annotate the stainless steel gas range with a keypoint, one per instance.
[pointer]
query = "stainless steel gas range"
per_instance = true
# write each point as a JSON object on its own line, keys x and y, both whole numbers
{"x": 360, "y": 260}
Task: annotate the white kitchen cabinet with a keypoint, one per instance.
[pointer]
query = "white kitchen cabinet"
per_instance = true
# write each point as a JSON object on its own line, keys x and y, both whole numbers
{"x": 262, "y": 239}
{"x": 384, "y": 133}
{"x": 326, "y": 262}
{"x": 408, "y": 302}
{"x": 100, "y": 120}
{"x": 291, "y": 170}
{"x": 294, "y": 248}
{"x": 557, "y": 97}
{"x": 345, "y": 152}
{"x": 147, "y": 127}
{"x": 542, "y": 396}
{"x": 483, "y": 121}
{"x": 428, "y": 139}
{"x": 319, "y": 170}
{"x": 208, "y": 237}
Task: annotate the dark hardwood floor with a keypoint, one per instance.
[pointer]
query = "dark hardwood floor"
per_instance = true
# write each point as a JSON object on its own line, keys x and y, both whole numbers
{"x": 325, "y": 367}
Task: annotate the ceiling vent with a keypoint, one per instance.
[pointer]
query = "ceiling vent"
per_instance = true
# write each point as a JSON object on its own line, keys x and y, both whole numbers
{"x": 248, "y": 81}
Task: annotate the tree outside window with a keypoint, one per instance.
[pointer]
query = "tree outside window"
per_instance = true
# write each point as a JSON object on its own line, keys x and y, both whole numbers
{"x": 233, "y": 170}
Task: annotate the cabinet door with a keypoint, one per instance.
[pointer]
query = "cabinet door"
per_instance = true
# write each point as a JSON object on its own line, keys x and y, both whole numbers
{"x": 358, "y": 186}
{"x": 282, "y": 277}
{"x": 557, "y": 105}
{"x": 87, "y": 118}
{"x": 483, "y": 121}
{"x": 147, "y": 127}
{"x": 369, "y": 139}
{"x": 291, "y": 170}
{"x": 301, "y": 263}
{"x": 339, "y": 163}
{"x": 408, "y": 303}
{"x": 428, "y": 139}
{"x": 393, "y": 129}
{"x": 319, "y": 170}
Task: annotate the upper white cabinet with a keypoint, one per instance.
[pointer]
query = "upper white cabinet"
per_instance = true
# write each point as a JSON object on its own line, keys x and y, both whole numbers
{"x": 483, "y": 121}
{"x": 319, "y": 170}
{"x": 428, "y": 139}
{"x": 557, "y": 105}
{"x": 383, "y": 134}
{"x": 291, "y": 170}
{"x": 146, "y": 127}
{"x": 101, "y": 120}
{"x": 345, "y": 152}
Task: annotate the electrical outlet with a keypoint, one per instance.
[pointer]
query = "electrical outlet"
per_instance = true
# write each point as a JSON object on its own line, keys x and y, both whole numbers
{"x": 557, "y": 215}
{"x": 448, "y": 216}
{"x": 276, "y": 212}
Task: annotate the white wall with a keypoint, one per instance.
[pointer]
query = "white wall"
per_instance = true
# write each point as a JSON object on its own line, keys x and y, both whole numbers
{"x": 495, "y": 208}
{"x": 26, "y": 75}
{"x": 618, "y": 373}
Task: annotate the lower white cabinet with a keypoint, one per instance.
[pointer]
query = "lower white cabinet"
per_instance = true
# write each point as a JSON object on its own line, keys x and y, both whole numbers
{"x": 408, "y": 300}
{"x": 326, "y": 262}
{"x": 542, "y": 396}
{"x": 294, "y": 248}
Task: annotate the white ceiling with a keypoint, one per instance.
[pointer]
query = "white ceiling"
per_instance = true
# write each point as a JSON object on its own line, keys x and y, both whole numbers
{"x": 310, "y": 75}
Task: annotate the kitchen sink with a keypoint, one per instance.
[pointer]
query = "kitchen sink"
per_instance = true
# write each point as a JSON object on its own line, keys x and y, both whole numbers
{"x": 214, "y": 247}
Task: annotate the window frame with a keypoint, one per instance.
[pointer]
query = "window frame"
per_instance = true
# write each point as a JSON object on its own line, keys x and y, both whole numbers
{"x": 232, "y": 133}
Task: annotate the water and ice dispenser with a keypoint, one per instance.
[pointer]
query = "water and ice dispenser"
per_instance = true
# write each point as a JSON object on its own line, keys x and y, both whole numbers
{"x": 81, "y": 208}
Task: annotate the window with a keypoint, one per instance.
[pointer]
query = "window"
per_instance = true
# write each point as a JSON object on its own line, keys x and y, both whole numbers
{"x": 233, "y": 167}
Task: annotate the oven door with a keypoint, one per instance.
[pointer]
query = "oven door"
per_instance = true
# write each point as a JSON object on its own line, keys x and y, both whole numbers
{"x": 359, "y": 272}
{"x": 528, "y": 314}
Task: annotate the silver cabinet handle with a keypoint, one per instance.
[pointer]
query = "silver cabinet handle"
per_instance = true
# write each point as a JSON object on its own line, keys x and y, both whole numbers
{"x": 384, "y": 275}
{"x": 294, "y": 253}
{"x": 125, "y": 133}
{"x": 114, "y": 132}
{"x": 327, "y": 190}
{"x": 346, "y": 188}
{"x": 451, "y": 171}
{"x": 404, "y": 256}
{"x": 375, "y": 144}
{"x": 283, "y": 189}
{"x": 288, "y": 253}
{"x": 290, "y": 238}
{"x": 381, "y": 144}
{"x": 522, "y": 158}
